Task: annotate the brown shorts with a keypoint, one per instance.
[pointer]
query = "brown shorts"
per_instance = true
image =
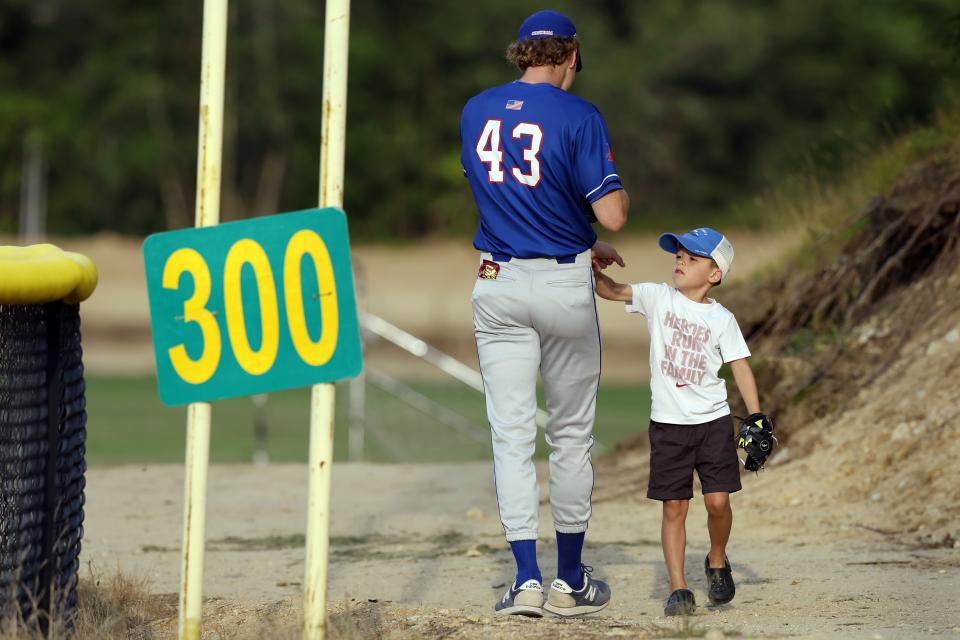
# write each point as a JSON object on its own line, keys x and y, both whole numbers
{"x": 677, "y": 449}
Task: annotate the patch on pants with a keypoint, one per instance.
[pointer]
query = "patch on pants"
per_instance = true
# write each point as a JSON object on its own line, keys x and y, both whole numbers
{"x": 489, "y": 270}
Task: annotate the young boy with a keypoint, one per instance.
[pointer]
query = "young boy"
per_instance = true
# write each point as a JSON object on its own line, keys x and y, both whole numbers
{"x": 691, "y": 336}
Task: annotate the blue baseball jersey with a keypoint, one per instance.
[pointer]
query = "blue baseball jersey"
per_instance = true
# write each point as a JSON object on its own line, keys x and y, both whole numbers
{"x": 536, "y": 157}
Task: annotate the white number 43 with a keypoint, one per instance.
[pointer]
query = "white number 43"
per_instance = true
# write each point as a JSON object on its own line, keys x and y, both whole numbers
{"x": 488, "y": 150}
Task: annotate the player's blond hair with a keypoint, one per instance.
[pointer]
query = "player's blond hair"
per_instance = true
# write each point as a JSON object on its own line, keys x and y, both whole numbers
{"x": 541, "y": 52}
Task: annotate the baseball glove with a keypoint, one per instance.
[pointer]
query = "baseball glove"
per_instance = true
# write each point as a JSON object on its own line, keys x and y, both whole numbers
{"x": 757, "y": 439}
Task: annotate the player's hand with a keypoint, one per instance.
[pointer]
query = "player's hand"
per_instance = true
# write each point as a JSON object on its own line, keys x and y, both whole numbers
{"x": 604, "y": 255}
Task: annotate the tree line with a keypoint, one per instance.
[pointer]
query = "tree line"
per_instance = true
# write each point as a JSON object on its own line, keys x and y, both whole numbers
{"x": 707, "y": 102}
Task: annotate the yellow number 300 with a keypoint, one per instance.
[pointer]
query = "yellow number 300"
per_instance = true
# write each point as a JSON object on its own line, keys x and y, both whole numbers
{"x": 303, "y": 244}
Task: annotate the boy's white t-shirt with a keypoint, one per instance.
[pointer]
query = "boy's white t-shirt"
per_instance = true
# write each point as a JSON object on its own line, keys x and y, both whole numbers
{"x": 689, "y": 341}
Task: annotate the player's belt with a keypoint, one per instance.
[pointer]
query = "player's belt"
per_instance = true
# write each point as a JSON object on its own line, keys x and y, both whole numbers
{"x": 568, "y": 259}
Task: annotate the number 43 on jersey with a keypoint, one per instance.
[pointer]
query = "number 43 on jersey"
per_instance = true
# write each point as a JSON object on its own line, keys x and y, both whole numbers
{"x": 489, "y": 152}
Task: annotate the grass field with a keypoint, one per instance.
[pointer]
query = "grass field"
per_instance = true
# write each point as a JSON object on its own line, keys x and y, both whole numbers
{"x": 127, "y": 423}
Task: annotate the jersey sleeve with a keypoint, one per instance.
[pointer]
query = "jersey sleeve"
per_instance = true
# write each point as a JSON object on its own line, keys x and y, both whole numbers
{"x": 596, "y": 173}
{"x": 645, "y": 296}
{"x": 731, "y": 342}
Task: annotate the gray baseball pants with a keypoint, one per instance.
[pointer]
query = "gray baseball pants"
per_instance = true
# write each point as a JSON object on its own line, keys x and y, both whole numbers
{"x": 540, "y": 316}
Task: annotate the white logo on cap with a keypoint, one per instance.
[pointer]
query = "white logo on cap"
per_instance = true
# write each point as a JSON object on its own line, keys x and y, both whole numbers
{"x": 541, "y": 33}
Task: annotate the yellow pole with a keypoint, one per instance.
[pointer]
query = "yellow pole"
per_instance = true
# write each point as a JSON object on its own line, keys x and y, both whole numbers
{"x": 209, "y": 156}
{"x": 322, "y": 396}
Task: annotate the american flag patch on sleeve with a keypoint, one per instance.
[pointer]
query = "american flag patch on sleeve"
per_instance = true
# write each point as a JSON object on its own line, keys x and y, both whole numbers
{"x": 515, "y": 105}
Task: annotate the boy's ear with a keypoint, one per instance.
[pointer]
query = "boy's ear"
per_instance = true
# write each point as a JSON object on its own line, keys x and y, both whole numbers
{"x": 716, "y": 275}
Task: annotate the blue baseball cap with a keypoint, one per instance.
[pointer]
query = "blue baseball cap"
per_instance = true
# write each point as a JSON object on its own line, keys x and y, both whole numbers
{"x": 549, "y": 24}
{"x": 704, "y": 242}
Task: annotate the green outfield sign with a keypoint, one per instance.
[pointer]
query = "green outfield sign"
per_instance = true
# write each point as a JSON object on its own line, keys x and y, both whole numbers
{"x": 252, "y": 306}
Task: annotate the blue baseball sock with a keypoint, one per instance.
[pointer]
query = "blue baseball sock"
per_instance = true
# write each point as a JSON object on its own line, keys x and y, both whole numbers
{"x": 525, "y": 552}
{"x": 569, "y": 548}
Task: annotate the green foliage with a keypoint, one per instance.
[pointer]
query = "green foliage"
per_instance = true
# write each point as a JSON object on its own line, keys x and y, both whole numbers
{"x": 707, "y": 102}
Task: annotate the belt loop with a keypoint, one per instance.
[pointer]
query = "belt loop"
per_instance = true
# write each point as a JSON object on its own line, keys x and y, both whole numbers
{"x": 500, "y": 257}
{"x": 568, "y": 259}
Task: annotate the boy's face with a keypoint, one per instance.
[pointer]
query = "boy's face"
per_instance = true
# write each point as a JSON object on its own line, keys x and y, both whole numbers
{"x": 690, "y": 271}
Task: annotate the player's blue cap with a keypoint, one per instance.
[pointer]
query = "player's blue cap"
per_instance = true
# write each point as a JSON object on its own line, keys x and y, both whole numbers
{"x": 549, "y": 24}
{"x": 704, "y": 242}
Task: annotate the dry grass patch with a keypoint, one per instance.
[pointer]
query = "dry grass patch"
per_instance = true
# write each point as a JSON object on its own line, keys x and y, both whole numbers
{"x": 114, "y": 608}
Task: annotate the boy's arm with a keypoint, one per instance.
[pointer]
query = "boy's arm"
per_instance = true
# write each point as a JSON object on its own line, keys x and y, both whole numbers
{"x": 607, "y": 288}
{"x": 747, "y": 384}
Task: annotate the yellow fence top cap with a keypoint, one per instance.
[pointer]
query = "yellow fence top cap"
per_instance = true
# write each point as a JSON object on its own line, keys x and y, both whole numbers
{"x": 44, "y": 273}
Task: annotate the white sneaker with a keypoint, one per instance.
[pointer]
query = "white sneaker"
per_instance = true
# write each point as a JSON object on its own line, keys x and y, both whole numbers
{"x": 525, "y": 600}
{"x": 564, "y": 601}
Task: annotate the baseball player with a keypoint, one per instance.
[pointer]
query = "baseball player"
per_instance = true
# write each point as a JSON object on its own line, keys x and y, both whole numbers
{"x": 539, "y": 163}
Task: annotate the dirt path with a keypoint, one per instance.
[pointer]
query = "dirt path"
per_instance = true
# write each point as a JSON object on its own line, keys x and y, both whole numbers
{"x": 417, "y": 551}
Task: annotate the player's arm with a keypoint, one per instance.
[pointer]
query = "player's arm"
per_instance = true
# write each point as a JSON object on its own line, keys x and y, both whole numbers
{"x": 609, "y": 289}
{"x": 747, "y": 384}
{"x": 611, "y": 209}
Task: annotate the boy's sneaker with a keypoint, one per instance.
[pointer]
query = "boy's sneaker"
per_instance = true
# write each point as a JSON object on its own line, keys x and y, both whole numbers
{"x": 564, "y": 601}
{"x": 680, "y": 603}
{"x": 525, "y": 600}
{"x": 721, "y": 586}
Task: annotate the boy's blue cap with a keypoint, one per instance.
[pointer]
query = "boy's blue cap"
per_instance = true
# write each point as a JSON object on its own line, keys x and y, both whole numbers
{"x": 549, "y": 24}
{"x": 704, "y": 242}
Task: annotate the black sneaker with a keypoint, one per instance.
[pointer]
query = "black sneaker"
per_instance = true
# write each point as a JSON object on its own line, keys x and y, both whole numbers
{"x": 680, "y": 603}
{"x": 721, "y": 587}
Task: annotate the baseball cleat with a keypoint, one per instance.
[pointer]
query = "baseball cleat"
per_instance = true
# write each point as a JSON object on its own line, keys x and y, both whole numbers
{"x": 525, "y": 600}
{"x": 680, "y": 603}
{"x": 721, "y": 588}
{"x": 564, "y": 601}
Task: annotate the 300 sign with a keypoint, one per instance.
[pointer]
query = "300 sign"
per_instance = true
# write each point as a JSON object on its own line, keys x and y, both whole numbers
{"x": 191, "y": 337}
